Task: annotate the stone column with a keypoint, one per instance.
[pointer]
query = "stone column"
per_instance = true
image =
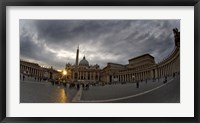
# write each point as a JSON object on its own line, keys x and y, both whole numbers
{"x": 94, "y": 76}
{"x": 87, "y": 75}
{"x": 83, "y": 75}
{"x": 97, "y": 73}
{"x": 80, "y": 75}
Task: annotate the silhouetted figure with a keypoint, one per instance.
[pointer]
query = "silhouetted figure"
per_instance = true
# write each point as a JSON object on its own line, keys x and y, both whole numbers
{"x": 173, "y": 75}
{"x": 83, "y": 86}
{"x": 78, "y": 86}
{"x": 70, "y": 85}
{"x": 165, "y": 81}
{"x": 65, "y": 84}
{"x": 23, "y": 77}
{"x": 35, "y": 78}
{"x": 52, "y": 82}
{"x": 59, "y": 82}
{"x": 87, "y": 86}
{"x": 137, "y": 84}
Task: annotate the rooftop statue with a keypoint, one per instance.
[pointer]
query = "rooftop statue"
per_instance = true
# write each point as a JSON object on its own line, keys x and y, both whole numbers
{"x": 176, "y": 37}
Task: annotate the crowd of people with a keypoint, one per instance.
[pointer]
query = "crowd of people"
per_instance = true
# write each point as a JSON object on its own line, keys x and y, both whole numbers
{"x": 27, "y": 77}
{"x": 86, "y": 85}
{"x": 77, "y": 85}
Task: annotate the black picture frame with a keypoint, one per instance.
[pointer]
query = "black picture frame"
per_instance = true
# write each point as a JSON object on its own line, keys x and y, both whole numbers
{"x": 5, "y": 3}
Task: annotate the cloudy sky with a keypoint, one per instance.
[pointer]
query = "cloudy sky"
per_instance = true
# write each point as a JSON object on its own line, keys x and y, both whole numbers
{"x": 54, "y": 42}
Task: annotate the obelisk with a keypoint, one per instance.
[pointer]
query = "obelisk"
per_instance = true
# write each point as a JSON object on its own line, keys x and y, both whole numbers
{"x": 76, "y": 66}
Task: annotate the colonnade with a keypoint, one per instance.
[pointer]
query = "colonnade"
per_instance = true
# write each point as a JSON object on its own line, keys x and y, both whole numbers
{"x": 131, "y": 77}
{"x": 31, "y": 71}
{"x": 168, "y": 67}
{"x": 88, "y": 75}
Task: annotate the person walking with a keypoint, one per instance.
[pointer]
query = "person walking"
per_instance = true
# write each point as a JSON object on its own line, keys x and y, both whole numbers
{"x": 78, "y": 86}
{"x": 83, "y": 86}
{"x": 165, "y": 81}
{"x": 137, "y": 84}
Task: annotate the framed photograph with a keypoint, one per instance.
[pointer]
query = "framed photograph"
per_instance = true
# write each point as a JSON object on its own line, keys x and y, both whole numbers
{"x": 80, "y": 61}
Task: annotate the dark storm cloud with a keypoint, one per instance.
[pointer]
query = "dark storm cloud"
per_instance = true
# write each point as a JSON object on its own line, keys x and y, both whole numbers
{"x": 54, "y": 42}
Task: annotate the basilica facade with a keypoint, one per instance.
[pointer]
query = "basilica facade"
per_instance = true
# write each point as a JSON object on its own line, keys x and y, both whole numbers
{"x": 82, "y": 71}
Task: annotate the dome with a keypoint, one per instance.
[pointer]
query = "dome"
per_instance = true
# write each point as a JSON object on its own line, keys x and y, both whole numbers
{"x": 84, "y": 62}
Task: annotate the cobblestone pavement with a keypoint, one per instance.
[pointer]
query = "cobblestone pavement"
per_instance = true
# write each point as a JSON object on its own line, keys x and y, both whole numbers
{"x": 44, "y": 92}
{"x": 169, "y": 93}
{"x": 32, "y": 91}
{"x": 119, "y": 90}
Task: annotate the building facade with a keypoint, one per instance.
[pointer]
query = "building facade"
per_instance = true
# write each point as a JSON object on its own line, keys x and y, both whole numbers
{"x": 82, "y": 71}
{"x": 144, "y": 67}
{"x": 30, "y": 69}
